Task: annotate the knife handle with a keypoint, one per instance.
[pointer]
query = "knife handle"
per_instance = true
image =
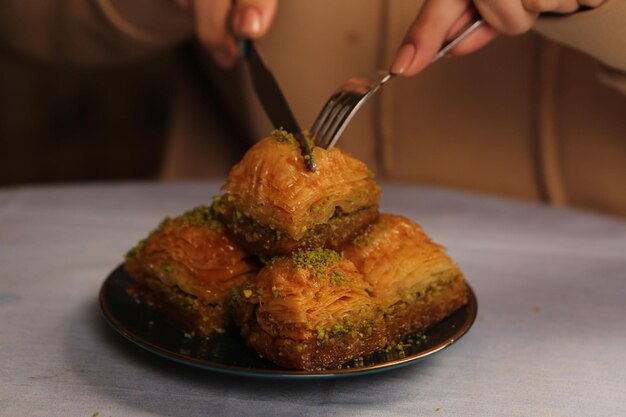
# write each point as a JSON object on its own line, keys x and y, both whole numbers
{"x": 243, "y": 46}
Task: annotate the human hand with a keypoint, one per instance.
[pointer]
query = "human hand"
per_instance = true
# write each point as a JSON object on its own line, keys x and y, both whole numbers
{"x": 440, "y": 20}
{"x": 219, "y": 22}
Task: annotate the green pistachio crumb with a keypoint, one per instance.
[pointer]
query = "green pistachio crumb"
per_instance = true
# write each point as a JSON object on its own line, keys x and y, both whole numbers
{"x": 337, "y": 277}
{"x": 202, "y": 216}
{"x": 363, "y": 240}
{"x": 282, "y": 136}
{"x": 236, "y": 296}
{"x": 199, "y": 216}
{"x": 320, "y": 333}
{"x": 316, "y": 260}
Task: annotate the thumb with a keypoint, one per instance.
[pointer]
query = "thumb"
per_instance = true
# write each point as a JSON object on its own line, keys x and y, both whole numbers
{"x": 252, "y": 18}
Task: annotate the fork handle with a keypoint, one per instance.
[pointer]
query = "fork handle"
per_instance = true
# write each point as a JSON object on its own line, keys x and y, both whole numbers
{"x": 454, "y": 42}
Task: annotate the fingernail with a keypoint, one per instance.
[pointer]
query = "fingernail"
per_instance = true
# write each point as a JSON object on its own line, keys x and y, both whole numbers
{"x": 403, "y": 59}
{"x": 247, "y": 22}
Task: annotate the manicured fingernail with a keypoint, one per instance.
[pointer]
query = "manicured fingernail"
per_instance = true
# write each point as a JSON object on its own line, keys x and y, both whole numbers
{"x": 403, "y": 59}
{"x": 247, "y": 22}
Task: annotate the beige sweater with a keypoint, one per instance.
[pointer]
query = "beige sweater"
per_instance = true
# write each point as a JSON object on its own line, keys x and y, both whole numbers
{"x": 525, "y": 117}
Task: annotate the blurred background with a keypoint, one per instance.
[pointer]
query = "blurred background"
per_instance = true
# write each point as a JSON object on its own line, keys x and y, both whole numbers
{"x": 60, "y": 124}
{"x": 83, "y": 97}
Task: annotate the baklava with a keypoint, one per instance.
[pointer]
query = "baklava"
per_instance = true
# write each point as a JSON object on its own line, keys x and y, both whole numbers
{"x": 318, "y": 309}
{"x": 309, "y": 311}
{"x": 186, "y": 268}
{"x": 301, "y": 261}
{"x": 414, "y": 282}
{"x": 274, "y": 205}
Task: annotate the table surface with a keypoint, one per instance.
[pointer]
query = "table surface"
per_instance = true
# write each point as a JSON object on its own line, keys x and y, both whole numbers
{"x": 549, "y": 339}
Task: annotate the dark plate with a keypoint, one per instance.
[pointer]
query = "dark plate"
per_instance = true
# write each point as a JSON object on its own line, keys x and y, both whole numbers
{"x": 228, "y": 353}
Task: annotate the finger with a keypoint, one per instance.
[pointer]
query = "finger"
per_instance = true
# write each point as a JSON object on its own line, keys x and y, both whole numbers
{"x": 252, "y": 18}
{"x": 464, "y": 21}
{"x": 476, "y": 40}
{"x": 481, "y": 37}
{"x": 507, "y": 17}
{"x": 426, "y": 35}
{"x": 212, "y": 29}
{"x": 554, "y": 6}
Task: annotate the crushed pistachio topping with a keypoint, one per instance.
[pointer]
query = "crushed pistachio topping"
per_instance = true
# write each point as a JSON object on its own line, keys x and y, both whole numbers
{"x": 317, "y": 262}
{"x": 324, "y": 334}
{"x": 337, "y": 277}
{"x": 282, "y": 136}
{"x": 316, "y": 258}
{"x": 363, "y": 240}
{"x": 275, "y": 293}
{"x": 199, "y": 216}
{"x": 236, "y": 296}
{"x": 320, "y": 333}
{"x": 358, "y": 362}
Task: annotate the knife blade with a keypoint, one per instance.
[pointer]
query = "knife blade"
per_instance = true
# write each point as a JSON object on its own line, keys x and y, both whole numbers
{"x": 273, "y": 100}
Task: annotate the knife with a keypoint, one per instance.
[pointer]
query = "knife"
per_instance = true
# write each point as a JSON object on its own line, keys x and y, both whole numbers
{"x": 272, "y": 99}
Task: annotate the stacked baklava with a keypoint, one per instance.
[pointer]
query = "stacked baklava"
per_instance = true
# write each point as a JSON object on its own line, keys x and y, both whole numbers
{"x": 301, "y": 261}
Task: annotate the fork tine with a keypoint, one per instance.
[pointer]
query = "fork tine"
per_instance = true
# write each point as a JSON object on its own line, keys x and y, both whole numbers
{"x": 329, "y": 113}
{"x": 358, "y": 102}
{"x": 337, "y": 124}
{"x": 348, "y": 99}
{"x": 343, "y": 105}
{"x": 326, "y": 128}
{"x": 321, "y": 118}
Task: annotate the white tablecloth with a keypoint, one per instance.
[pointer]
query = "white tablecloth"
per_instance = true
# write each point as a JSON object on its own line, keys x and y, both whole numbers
{"x": 549, "y": 340}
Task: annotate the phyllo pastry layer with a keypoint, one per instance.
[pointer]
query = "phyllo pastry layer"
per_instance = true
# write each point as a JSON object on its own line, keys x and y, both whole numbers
{"x": 187, "y": 268}
{"x": 309, "y": 311}
{"x": 274, "y": 204}
{"x": 414, "y": 281}
{"x": 318, "y": 309}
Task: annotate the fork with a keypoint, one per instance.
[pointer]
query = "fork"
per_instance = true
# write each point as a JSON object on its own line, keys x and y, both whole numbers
{"x": 346, "y": 101}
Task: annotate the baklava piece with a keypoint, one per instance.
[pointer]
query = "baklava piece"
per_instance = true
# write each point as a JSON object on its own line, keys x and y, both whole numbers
{"x": 318, "y": 309}
{"x": 309, "y": 311}
{"x": 186, "y": 268}
{"x": 415, "y": 284}
{"x": 274, "y": 205}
